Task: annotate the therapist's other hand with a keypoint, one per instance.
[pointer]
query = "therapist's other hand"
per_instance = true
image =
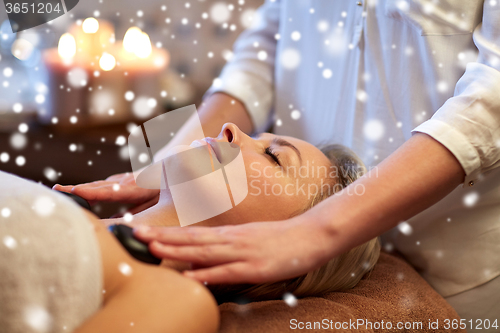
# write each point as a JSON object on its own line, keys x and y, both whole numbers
{"x": 117, "y": 188}
{"x": 248, "y": 253}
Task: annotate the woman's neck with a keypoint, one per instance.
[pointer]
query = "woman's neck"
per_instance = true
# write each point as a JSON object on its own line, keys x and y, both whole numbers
{"x": 161, "y": 214}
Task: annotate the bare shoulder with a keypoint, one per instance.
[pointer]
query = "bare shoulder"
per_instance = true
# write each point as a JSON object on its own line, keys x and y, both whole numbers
{"x": 148, "y": 298}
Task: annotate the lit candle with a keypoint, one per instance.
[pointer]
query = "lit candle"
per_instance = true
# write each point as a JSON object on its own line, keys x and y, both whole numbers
{"x": 107, "y": 62}
{"x": 67, "y": 46}
{"x": 93, "y": 37}
{"x": 136, "y": 54}
{"x": 90, "y": 74}
{"x": 131, "y": 39}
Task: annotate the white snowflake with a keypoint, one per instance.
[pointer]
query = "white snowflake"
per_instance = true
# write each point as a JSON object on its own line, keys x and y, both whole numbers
{"x": 6, "y": 212}
{"x": 20, "y": 160}
{"x": 38, "y": 318}
{"x": 295, "y": 114}
{"x": 39, "y": 99}
{"x": 219, "y": 13}
{"x": 262, "y": 55}
{"x": 10, "y": 242}
{"x": 290, "y": 58}
{"x": 18, "y": 141}
{"x": 23, "y": 128}
{"x": 128, "y": 217}
{"x": 4, "y": 157}
{"x": 327, "y": 73}
{"x": 125, "y": 269}
{"x": 361, "y": 96}
{"x": 290, "y": 299}
{"x": 405, "y": 228}
{"x": 120, "y": 140}
{"x": 295, "y": 36}
{"x": 248, "y": 18}
{"x": 50, "y": 174}
{"x": 373, "y": 130}
{"x": 442, "y": 86}
{"x": 7, "y": 72}
{"x": 466, "y": 57}
{"x": 17, "y": 108}
{"x": 471, "y": 199}
{"x": 143, "y": 158}
{"x": 143, "y": 107}
{"x": 323, "y": 26}
{"x": 44, "y": 206}
{"x": 77, "y": 77}
{"x": 129, "y": 95}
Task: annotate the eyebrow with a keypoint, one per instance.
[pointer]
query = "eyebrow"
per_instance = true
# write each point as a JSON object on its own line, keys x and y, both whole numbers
{"x": 283, "y": 143}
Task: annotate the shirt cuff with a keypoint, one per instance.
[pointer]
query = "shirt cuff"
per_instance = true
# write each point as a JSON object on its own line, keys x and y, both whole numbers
{"x": 256, "y": 96}
{"x": 457, "y": 144}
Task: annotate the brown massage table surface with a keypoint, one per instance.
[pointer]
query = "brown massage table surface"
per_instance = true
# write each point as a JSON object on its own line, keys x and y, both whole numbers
{"x": 393, "y": 292}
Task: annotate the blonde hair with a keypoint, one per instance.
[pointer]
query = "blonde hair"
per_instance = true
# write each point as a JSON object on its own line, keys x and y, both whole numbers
{"x": 340, "y": 273}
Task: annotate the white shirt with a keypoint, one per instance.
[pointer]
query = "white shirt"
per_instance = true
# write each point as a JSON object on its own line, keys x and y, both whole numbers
{"x": 367, "y": 75}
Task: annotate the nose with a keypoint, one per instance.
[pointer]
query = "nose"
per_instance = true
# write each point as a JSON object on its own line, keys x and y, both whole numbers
{"x": 231, "y": 133}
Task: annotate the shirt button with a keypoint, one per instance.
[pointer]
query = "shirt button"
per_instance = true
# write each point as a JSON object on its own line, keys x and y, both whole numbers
{"x": 359, "y": 3}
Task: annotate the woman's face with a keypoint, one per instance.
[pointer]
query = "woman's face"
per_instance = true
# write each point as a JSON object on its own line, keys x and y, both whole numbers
{"x": 283, "y": 175}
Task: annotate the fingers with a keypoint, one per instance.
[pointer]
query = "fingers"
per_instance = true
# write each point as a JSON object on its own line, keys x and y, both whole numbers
{"x": 182, "y": 236}
{"x": 229, "y": 274}
{"x": 97, "y": 191}
{"x": 61, "y": 188}
{"x": 88, "y": 191}
{"x": 206, "y": 255}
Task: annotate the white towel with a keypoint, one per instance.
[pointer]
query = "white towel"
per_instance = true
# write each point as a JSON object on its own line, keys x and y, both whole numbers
{"x": 50, "y": 264}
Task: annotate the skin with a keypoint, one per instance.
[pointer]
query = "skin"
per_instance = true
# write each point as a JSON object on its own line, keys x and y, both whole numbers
{"x": 154, "y": 299}
{"x": 265, "y": 176}
{"x": 426, "y": 172}
{"x": 213, "y": 113}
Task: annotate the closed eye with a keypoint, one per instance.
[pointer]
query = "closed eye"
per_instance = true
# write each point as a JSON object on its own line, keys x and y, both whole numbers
{"x": 274, "y": 156}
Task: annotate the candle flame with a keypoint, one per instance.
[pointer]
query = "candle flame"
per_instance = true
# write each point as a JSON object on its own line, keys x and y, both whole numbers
{"x": 90, "y": 25}
{"x": 67, "y": 46}
{"x": 107, "y": 62}
{"x": 131, "y": 39}
{"x": 137, "y": 42}
{"x": 144, "y": 48}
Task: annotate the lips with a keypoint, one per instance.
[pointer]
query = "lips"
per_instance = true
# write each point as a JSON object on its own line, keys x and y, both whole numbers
{"x": 214, "y": 147}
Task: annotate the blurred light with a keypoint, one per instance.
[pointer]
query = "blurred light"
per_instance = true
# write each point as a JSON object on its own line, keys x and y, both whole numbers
{"x": 77, "y": 77}
{"x": 22, "y": 49}
{"x": 144, "y": 48}
{"x": 143, "y": 108}
{"x": 39, "y": 99}
{"x": 131, "y": 39}
{"x": 107, "y": 62}
{"x": 129, "y": 95}
{"x": 90, "y": 25}
{"x": 219, "y": 12}
{"x": 248, "y": 18}
{"x": 67, "y": 46}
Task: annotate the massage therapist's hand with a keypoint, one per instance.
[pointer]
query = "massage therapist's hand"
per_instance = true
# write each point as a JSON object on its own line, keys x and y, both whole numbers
{"x": 247, "y": 253}
{"x": 116, "y": 188}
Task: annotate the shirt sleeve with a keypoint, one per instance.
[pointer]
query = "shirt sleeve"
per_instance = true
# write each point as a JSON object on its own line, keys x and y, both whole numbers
{"x": 468, "y": 124}
{"x": 249, "y": 75}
